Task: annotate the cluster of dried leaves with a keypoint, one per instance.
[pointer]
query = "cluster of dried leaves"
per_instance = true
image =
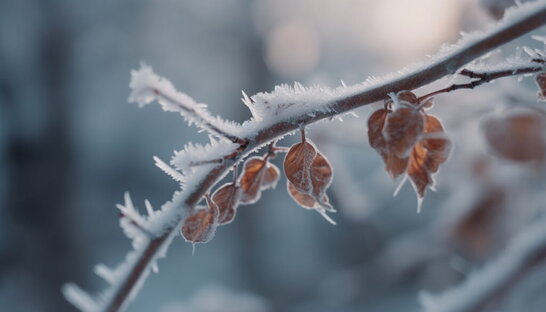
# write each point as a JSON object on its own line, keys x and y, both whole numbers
{"x": 409, "y": 140}
{"x": 308, "y": 173}
{"x": 258, "y": 174}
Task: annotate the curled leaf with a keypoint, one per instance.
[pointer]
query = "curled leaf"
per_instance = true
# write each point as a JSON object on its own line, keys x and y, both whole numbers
{"x": 417, "y": 170}
{"x": 518, "y": 135}
{"x": 321, "y": 178}
{"x": 297, "y": 165}
{"x": 226, "y": 198}
{"x": 309, "y": 175}
{"x": 427, "y": 155}
{"x": 200, "y": 226}
{"x": 271, "y": 177}
{"x": 395, "y": 165}
{"x": 377, "y": 141}
{"x": 258, "y": 174}
{"x": 304, "y": 200}
{"x": 402, "y": 130}
{"x": 308, "y": 202}
{"x": 436, "y": 143}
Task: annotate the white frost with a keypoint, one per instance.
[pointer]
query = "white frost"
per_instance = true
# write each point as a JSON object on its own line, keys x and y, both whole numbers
{"x": 146, "y": 86}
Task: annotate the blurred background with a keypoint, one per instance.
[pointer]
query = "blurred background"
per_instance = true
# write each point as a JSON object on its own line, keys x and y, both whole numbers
{"x": 71, "y": 145}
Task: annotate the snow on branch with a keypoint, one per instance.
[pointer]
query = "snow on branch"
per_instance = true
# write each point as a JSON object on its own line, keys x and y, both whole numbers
{"x": 146, "y": 87}
{"x": 490, "y": 283}
{"x": 275, "y": 115}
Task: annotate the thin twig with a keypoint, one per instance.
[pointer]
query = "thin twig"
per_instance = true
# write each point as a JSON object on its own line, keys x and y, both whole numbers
{"x": 200, "y": 119}
{"x": 483, "y": 77}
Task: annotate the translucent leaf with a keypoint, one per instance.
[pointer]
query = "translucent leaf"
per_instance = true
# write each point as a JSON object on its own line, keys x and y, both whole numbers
{"x": 200, "y": 226}
{"x": 377, "y": 141}
{"x": 251, "y": 179}
{"x": 258, "y": 174}
{"x": 271, "y": 176}
{"x": 227, "y": 198}
{"x": 402, "y": 130}
{"x": 303, "y": 200}
{"x": 417, "y": 171}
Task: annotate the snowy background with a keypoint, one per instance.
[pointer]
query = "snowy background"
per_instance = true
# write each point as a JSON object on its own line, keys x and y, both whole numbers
{"x": 71, "y": 145}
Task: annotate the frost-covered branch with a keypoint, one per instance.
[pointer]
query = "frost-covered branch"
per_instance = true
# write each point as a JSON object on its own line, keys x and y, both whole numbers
{"x": 491, "y": 283}
{"x": 147, "y": 86}
{"x": 275, "y": 115}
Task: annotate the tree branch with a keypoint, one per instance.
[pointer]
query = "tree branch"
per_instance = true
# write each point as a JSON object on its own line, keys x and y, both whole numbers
{"x": 483, "y": 77}
{"x": 120, "y": 294}
{"x": 147, "y": 86}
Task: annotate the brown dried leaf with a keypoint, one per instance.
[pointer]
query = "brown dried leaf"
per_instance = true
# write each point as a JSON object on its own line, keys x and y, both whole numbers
{"x": 308, "y": 202}
{"x": 303, "y": 200}
{"x": 541, "y": 83}
{"x": 251, "y": 179}
{"x": 402, "y": 130}
{"x": 297, "y": 165}
{"x": 227, "y": 199}
{"x": 309, "y": 174}
{"x": 395, "y": 165}
{"x": 321, "y": 177}
{"x": 200, "y": 226}
{"x": 417, "y": 171}
{"x": 271, "y": 176}
{"x": 518, "y": 136}
{"x": 436, "y": 144}
{"x": 376, "y": 122}
{"x": 258, "y": 175}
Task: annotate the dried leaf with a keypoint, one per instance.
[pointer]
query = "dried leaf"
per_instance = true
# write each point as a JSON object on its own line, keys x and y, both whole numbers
{"x": 402, "y": 130}
{"x": 321, "y": 177}
{"x": 395, "y": 165}
{"x": 432, "y": 127}
{"x": 271, "y": 177}
{"x": 376, "y": 122}
{"x": 227, "y": 199}
{"x": 251, "y": 179}
{"x": 518, "y": 136}
{"x": 200, "y": 226}
{"x": 417, "y": 171}
{"x": 297, "y": 165}
{"x": 308, "y": 202}
{"x": 436, "y": 144}
{"x": 303, "y": 200}
{"x": 541, "y": 83}
{"x": 309, "y": 174}
{"x": 258, "y": 174}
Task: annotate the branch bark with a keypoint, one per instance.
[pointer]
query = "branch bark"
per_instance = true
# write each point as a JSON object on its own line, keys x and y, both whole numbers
{"x": 447, "y": 65}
